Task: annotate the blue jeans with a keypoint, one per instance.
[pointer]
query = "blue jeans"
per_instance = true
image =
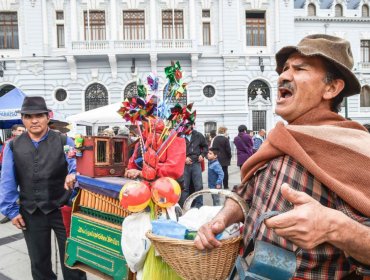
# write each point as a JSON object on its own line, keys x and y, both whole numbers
{"x": 192, "y": 173}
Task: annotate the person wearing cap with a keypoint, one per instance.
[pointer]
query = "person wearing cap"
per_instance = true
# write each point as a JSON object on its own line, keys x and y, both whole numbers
{"x": 314, "y": 170}
{"x": 35, "y": 161}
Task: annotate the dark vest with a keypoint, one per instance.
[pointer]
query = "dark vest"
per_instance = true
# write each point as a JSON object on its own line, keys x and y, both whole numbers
{"x": 40, "y": 173}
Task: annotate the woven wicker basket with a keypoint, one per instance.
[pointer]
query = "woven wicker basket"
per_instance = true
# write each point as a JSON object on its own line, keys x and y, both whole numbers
{"x": 193, "y": 264}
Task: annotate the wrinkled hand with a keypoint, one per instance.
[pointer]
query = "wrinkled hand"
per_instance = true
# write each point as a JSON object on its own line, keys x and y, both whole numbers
{"x": 70, "y": 181}
{"x": 206, "y": 234}
{"x": 132, "y": 173}
{"x": 307, "y": 225}
{"x": 188, "y": 161}
{"x": 19, "y": 222}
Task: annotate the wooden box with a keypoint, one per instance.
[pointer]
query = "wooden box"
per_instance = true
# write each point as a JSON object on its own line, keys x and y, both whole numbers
{"x": 103, "y": 156}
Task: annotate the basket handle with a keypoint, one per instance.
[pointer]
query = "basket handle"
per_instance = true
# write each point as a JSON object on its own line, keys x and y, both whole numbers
{"x": 226, "y": 193}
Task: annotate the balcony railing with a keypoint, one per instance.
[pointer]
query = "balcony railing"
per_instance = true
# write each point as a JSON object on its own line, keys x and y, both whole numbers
{"x": 169, "y": 44}
{"x": 134, "y": 45}
{"x": 90, "y": 45}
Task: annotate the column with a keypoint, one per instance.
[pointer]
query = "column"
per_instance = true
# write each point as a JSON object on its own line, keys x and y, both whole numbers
{"x": 153, "y": 29}
{"x": 192, "y": 21}
{"x": 114, "y": 23}
{"x": 74, "y": 26}
{"x": 45, "y": 28}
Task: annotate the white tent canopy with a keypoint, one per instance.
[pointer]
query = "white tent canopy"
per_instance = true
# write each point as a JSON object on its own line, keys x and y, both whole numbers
{"x": 102, "y": 116}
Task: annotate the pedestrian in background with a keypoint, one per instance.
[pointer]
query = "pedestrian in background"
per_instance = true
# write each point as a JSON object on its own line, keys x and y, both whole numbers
{"x": 244, "y": 145}
{"x": 196, "y": 151}
{"x": 258, "y": 140}
{"x": 215, "y": 173}
{"x": 35, "y": 161}
{"x": 222, "y": 143}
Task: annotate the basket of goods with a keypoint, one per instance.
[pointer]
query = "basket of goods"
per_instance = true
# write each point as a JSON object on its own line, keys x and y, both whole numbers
{"x": 193, "y": 264}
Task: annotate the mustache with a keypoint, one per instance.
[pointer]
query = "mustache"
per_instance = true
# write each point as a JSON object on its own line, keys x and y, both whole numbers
{"x": 287, "y": 85}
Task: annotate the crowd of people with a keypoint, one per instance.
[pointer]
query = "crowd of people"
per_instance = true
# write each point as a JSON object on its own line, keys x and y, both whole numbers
{"x": 313, "y": 169}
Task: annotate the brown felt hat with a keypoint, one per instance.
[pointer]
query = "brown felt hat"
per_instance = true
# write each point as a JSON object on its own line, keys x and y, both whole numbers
{"x": 334, "y": 50}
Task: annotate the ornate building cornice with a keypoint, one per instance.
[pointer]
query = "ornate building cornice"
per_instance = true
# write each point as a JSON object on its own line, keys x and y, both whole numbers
{"x": 332, "y": 19}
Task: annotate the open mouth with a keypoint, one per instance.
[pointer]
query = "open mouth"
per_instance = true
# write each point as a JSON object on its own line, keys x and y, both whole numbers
{"x": 284, "y": 93}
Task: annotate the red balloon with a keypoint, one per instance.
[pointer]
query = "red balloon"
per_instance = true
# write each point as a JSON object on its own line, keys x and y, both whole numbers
{"x": 134, "y": 196}
{"x": 166, "y": 192}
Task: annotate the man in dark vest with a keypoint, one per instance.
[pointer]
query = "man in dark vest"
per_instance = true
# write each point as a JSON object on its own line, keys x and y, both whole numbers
{"x": 36, "y": 162}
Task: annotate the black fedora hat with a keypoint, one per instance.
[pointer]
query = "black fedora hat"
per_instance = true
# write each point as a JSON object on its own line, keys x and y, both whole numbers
{"x": 34, "y": 105}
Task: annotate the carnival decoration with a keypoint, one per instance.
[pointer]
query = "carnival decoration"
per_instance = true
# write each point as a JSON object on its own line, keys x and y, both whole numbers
{"x": 134, "y": 196}
{"x": 166, "y": 192}
{"x": 158, "y": 125}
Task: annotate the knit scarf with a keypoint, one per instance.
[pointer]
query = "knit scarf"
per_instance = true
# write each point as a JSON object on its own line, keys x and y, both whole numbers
{"x": 334, "y": 150}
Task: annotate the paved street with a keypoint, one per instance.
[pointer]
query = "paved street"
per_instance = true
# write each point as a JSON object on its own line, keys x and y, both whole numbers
{"x": 14, "y": 260}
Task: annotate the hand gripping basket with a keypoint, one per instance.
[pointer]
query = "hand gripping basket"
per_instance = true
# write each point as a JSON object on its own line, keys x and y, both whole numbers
{"x": 193, "y": 264}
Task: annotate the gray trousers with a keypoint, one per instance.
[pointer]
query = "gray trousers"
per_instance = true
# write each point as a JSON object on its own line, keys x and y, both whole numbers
{"x": 192, "y": 175}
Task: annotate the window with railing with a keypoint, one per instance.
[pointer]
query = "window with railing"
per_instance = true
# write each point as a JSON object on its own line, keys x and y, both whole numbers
{"x": 365, "y": 10}
{"x": 133, "y": 25}
{"x": 311, "y": 10}
{"x": 172, "y": 24}
{"x": 258, "y": 120}
{"x": 338, "y": 10}
{"x": 206, "y": 27}
{"x": 94, "y": 25}
{"x": 96, "y": 95}
{"x": 59, "y": 19}
{"x": 365, "y": 50}
{"x": 255, "y": 28}
{"x": 9, "y": 30}
{"x": 365, "y": 96}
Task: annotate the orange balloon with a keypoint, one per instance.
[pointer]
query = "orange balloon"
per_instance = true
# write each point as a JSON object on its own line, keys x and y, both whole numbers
{"x": 166, "y": 192}
{"x": 134, "y": 196}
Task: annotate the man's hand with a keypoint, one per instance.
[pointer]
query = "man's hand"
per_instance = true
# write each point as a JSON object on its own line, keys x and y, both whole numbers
{"x": 200, "y": 159}
{"x": 70, "y": 181}
{"x": 207, "y": 232}
{"x": 218, "y": 186}
{"x": 188, "y": 160}
{"x": 19, "y": 222}
{"x": 132, "y": 173}
{"x": 307, "y": 225}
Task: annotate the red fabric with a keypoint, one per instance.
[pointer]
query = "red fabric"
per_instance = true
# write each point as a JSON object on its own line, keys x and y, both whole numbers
{"x": 330, "y": 147}
{"x": 66, "y": 215}
{"x": 202, "y": 165}
{"x": 171, "y": 163}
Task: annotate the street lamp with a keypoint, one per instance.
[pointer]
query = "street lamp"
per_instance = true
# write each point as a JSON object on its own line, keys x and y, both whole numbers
{"x": 2, "y": 68}
{"x": 133, "y": 67}
{"x": 260, "y": 63}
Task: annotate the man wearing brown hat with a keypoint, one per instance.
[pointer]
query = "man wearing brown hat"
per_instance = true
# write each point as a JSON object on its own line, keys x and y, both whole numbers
{"x": 36, "y": 162}
{"x": 315, "y": 170}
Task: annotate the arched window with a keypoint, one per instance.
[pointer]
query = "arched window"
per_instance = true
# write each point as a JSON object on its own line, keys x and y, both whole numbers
{"x": 258, "y": 89}
{"x": 5, "y": 89}
{"x": 311, "y": 10}
{"x": 338, "y": 10}
{"x": 365, "y": 10}
{"x": 365, "y": 96}
{"x": 130, "y": 90}
{"x": 96, "y": 95}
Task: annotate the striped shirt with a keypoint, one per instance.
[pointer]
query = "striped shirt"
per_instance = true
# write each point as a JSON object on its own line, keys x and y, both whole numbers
{"x": 262, "y": 193}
